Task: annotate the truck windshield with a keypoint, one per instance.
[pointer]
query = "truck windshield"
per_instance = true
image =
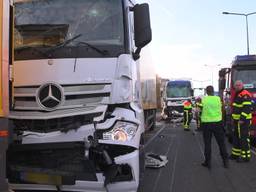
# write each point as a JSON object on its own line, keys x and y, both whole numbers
{"x": 248, "y": 77}
{"x": 174, "y": 90}
{"x": 47, "y": 23}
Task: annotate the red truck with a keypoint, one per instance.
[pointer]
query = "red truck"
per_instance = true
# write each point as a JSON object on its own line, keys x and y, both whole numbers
{"x": 243, "y": 68}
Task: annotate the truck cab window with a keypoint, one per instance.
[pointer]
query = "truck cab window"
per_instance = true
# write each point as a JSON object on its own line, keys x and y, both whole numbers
{"x": 44, "y": 24}
{"x": 248, "y": 77}
{"x": 178, "y": 90}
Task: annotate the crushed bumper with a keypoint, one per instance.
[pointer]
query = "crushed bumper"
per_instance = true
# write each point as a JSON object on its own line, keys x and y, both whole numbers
{"x": 131, "y": 159}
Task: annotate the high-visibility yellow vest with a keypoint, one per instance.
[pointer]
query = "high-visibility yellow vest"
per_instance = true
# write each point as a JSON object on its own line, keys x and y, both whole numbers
{"x": 211, "y": 111}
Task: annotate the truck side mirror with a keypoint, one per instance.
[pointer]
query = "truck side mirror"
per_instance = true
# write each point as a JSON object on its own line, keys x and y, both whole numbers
{"x": 142, "y": 28}
{"x": 222, "y": 83}
{"x": 222, "y": 73}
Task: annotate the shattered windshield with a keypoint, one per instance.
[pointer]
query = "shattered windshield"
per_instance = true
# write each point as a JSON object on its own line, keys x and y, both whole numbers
{"x": 248, "y": 77}
{"x": 174, "y": 90}
{"x": 47, "y": 23}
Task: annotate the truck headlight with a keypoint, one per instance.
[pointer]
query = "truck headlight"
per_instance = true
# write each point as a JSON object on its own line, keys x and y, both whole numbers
{"x": 122, "y": 131}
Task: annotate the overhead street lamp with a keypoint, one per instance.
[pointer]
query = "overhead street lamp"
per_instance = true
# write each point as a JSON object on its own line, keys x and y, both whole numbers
{"x": 212, "y": 69}
{"x": 246, "y": 19}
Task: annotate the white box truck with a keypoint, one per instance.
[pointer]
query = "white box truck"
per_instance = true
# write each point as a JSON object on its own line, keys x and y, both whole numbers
{"x": 176, "y": 92}
{"x": 76, "y": 109}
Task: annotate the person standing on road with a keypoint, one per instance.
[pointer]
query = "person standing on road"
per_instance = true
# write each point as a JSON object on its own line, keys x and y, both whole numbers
{"x": 241, "y": 115}
{"x": 198, "y": 110}
{"x": 187, "y": 114}
{"x": 211, "y": 118}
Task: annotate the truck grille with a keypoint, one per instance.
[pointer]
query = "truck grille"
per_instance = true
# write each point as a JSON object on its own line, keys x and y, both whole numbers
{"x": 81, "y": 103}
{"x": 86, "y": 96}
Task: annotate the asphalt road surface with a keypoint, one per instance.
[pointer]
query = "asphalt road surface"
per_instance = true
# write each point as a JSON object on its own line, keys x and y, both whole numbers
{"x": 184, "y": 172}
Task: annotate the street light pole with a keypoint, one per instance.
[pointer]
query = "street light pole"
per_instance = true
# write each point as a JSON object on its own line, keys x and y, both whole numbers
{"x": 247, "y": 35}
{"x": 247, "y": 28}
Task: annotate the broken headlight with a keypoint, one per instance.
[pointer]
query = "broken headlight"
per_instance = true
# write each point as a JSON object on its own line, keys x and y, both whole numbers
{"x": 122, "y": 131}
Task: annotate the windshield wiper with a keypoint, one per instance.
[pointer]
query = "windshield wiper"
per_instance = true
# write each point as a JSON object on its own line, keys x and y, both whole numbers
{"x": 102, "y": 52}
{"x": 63, "y": 44}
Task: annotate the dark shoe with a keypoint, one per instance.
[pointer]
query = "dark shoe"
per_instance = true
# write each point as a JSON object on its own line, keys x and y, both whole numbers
{"x": 207, "y": 165}
{"x": 226, "y": 163}
{"x": 232, "y": 157}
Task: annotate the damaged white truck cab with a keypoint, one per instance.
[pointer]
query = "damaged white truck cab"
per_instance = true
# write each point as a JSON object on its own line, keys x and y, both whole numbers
{"x": 76, "y": 105}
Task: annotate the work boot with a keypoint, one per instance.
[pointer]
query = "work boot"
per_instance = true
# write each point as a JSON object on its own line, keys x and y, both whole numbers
{"x": 226, "y": 163}
{"x": 206, "y": 164}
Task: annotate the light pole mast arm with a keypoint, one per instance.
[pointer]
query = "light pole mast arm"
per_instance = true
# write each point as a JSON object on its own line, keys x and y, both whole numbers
{"x": 247, "y": 30}
{"x": 251, "y": 13}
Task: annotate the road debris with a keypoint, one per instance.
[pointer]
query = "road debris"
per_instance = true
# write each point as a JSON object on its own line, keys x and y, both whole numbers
{"x": 153, "y": 160}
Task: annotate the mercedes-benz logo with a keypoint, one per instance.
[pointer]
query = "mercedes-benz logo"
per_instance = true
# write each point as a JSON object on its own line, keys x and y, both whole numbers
{"x": 50, "y": 96}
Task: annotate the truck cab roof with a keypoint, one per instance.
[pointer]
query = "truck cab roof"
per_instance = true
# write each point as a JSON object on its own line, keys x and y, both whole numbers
{"x": 242, "y": 60}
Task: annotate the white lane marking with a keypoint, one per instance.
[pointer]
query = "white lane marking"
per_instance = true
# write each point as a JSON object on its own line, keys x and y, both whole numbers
{"x": 160, "y": 172}
{"x": 152, "y": 138}
{"x": 174, "y": 167}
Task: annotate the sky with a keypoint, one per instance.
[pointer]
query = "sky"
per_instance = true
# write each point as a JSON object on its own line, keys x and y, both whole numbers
{"x": 193, "y": 39}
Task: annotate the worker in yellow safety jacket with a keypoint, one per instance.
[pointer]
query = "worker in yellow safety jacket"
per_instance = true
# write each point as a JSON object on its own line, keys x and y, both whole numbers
{"x": 241, "y": 115}
{"x": 187, "y": 114}
{"x": 211, "y": 118}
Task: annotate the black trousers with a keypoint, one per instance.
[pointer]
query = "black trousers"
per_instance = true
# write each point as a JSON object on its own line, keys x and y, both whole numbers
{"x": 241, "y": 141}
{"x": 217, "y": 130}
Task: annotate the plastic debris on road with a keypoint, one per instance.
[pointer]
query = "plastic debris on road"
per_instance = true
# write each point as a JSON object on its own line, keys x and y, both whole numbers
{"x": 177, "y": 120}
{"x": 155, "y": 161}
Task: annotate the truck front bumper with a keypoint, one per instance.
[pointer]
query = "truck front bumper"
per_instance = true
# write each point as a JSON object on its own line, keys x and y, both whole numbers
{"x": 132, "y": 159}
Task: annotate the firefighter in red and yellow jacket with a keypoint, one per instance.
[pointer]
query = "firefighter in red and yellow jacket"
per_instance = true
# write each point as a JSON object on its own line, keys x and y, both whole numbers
{"x": 187, "y": 114}
{"x": 241, "y": 115}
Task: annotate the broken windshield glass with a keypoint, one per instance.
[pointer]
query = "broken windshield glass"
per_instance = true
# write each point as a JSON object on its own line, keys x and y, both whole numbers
{"x": 49, "y": 23}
